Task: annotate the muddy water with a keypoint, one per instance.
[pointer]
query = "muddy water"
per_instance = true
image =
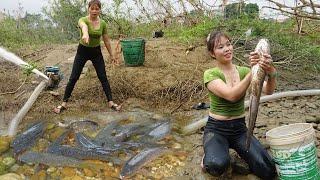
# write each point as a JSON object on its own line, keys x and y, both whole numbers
{"x": 185, "y": 163}
{"x": 168, "y": 162}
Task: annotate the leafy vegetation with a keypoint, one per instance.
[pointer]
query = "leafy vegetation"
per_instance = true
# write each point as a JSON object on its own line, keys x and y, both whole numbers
{"x": 65, "y": 15}
{"x": 60, "y": 26}
{"x": 29, "y": 31}
{"x": 28, "y": 68}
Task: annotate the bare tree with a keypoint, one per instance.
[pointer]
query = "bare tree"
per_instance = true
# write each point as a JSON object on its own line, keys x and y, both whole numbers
{"x": 303, "y": 9}
{"x": 139, "y": 4}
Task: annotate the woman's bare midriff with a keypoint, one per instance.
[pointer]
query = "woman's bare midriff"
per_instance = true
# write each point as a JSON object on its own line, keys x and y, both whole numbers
{"x": 225, "y": 118}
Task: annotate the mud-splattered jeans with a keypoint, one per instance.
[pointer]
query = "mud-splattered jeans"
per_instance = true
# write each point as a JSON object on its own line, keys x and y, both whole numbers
{"x": 219, "y": 136}
{"x": 83, "y": 55}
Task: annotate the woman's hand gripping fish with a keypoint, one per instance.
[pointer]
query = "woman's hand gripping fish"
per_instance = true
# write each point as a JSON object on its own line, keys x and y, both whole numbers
{"x": 258, "y": 77}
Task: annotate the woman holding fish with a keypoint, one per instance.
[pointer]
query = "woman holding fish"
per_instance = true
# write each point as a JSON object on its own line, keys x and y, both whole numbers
{"x": 92, "y": 28}
{"x": 227, "y": 84}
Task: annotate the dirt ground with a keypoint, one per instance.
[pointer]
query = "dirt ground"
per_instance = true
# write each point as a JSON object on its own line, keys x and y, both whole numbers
{"x": 169, "y": 82}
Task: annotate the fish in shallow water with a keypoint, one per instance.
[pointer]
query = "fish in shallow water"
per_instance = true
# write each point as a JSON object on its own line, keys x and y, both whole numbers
{"x": 83, "y": 141}
{"x": 105, "y": 135}
{"x": 157, "y": 133}
{"x": 83, "y": 152}
{"x": 136, "y": 162}
{"x": 80, "y": 125}
{"x": 54, "y": 160}
{"x": 28, "y": 138}
{"x": 258, "y": 77}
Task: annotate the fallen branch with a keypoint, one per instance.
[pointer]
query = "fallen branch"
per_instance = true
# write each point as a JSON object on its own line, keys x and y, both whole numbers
{"x": 20, "y": 94}
{"x": 13, "y": 92}
{"x": 12, "y": 130}
{"x": 189, "y": 129}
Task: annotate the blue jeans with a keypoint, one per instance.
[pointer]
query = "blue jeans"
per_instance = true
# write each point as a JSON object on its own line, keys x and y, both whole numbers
{"x": 219, "y": 136}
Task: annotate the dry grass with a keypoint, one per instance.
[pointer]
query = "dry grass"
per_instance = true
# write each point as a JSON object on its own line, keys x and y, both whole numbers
{"x": 170, "y": 81}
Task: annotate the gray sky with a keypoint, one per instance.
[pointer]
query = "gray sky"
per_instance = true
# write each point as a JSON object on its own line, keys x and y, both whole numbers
{"x": 35, "y": 6}
{"x": 31, "y": 6}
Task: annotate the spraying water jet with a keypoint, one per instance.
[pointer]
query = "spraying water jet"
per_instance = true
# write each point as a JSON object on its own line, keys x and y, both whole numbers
{"x": 12, "y": 130}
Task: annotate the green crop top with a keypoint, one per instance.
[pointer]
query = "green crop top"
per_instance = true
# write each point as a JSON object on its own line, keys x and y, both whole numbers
{"x": 219, "y": 105}
{"x": 94, "y": 34}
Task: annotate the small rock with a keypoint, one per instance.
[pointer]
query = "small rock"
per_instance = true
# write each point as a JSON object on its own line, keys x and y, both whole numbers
{"x": 8, "y": 161}
{"x": 286, "y": 104}
{"x": 51, "y": 170}
{"x": 182, "y": 157}
{"x": 3, "y": 168}
{"x": 311, "y": 105}
{"x": 25, "y": 170}
{"x": 261, "y": 125}
{"x": 158, "y": 176}
{"x": 157, "y": 117}
{"x": 14, "y": 168}
{"x": 312, "y": 119}
{"x": 11, "y": 176}
{"x": 42, "y": 144}
{"x": 41, "y": 175}
{"x": 88, "y": 172}
{"x": 176, "y": 146}
{"x": 318, "y": 135}
{"x": 50, "y": 125}
{"x": 55, "y": 175}
{"x": 314, "y": 125}
{"x": 110, "y": 164}
{"x": 4, "y": 144}
{"x": 68, "y": 172}
{"x": 54, "y": 93}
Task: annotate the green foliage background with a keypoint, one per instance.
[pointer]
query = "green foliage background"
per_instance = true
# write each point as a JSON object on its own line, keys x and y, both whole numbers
{"x": 58, "y": 25}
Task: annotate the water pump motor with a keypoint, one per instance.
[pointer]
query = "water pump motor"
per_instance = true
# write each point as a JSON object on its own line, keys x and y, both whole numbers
{"x": 55, "y": 76}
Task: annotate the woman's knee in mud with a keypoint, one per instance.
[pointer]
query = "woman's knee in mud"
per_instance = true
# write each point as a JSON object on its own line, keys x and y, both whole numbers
{"x": 216, "y": 166}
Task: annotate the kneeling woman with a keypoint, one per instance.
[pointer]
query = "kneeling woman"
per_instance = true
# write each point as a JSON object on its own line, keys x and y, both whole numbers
{"x": 227, "y": 84}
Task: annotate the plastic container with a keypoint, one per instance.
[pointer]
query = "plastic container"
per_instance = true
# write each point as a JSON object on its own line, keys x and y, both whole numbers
{"x": 133, "y": 51}
{"x": 294, "y": 151}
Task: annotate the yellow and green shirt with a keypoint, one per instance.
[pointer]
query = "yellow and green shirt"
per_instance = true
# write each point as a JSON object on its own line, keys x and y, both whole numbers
{"x": 94, "y": 34}
{"x": 219, "y": 105}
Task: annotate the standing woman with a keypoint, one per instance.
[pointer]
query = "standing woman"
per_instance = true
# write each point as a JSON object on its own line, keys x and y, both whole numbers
{"x": 227, "y": 84}
{"x": 92, "y": 28}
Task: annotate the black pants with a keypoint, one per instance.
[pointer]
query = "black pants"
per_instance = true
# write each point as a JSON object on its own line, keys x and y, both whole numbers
{"x": 219, "y": 136}
{"x": 83, "y": 55}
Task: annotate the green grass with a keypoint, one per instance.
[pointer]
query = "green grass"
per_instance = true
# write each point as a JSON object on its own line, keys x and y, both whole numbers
{"x": 286, "y": 41}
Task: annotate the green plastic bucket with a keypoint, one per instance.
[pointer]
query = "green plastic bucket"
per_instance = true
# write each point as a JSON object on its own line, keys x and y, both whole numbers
{"x": 294, "y": 151}
{"x": 133, "y": 51}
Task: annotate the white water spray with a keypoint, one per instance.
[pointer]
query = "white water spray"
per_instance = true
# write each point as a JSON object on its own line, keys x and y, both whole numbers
{"x": 13, "y": 126}
{"x": 18, "y": 61}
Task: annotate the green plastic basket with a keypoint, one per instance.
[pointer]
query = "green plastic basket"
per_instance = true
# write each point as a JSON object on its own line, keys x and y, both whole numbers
{"x": 133, "y": 51}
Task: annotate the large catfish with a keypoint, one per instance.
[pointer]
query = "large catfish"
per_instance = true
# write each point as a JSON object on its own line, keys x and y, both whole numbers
{"x": 258, "y": 77}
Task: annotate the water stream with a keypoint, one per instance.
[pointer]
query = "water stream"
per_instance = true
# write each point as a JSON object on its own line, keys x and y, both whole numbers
{"x": 6, "y": 55}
